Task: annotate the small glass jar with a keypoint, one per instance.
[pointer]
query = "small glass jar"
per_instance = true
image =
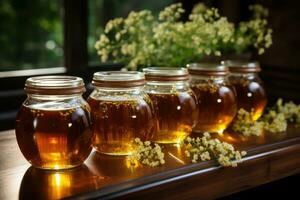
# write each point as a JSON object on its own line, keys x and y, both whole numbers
{"x": 249, "y": 87}
{"x": 53, "y": 126}
{"x": 216, "y": 98}
{"x": 175, "y": 104}
{"x": 121, "y": 111}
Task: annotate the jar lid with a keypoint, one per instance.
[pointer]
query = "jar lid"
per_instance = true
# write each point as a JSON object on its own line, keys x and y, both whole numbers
{"x": 166, "y": 74}
{"x": 54, "y": 85}
{"x": 207, "y": 69}
{"x": 241, "y": 66}
{"x": 118, "y": 79}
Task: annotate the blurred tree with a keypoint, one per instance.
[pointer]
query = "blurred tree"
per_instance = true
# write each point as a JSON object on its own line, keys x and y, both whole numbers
{"x": 31, "y": 34}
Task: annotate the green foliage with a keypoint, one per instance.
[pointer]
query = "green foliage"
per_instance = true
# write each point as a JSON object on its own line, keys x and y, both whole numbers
{"x": 28, "y": 27}
{"x": 252, "y": 34}
{"x": 143, "y": 39}
{"x": 274, "y": 121}
{"x": 99, "y": 15}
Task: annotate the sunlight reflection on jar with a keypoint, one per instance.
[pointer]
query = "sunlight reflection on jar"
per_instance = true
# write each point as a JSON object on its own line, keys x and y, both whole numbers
{"x": 249, "y": 88}
{"x": 41, "y": 184}
{"x": 112, "y": 166}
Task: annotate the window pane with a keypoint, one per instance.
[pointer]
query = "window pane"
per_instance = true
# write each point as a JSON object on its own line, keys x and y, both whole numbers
{"x": 100, "y": 11}
{"x": 31, "y": 34}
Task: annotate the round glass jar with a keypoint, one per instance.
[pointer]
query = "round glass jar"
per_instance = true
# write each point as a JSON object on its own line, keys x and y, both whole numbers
{"x": 216, "y": 98}
{"x": 175, "y": 104}
{"x": 250, "y": 91}
{"x": 53, "y": 126}
{"x": 121, "y": 111}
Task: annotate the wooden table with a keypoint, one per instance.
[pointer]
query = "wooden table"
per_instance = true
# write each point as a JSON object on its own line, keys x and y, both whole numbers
{"x": 270, "y": 157}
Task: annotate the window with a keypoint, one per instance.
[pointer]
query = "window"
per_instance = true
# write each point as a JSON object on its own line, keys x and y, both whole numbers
{"x": 31, "y": 34}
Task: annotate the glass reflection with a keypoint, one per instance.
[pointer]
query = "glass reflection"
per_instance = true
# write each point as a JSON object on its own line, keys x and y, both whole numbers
{"x": 46, "y": 184}
{"x": 112, "y": 166}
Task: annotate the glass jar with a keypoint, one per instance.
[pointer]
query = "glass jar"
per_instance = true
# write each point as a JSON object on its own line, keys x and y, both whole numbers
{"x": 121, "y": 111}
{"x": 175, "y": 104}
{"x": 249, "y": 87}
{"x": 216, "y": 98}
{"x": 53, "y": 126}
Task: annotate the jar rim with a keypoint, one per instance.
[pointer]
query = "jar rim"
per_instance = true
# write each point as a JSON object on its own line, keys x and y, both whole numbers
{"x": 207, "y": 69}
{"x": 118, "y": 79}
{"x": 54, "y": 85}
{"x": 242, "y": 66}
{"x": 166, "y": 74}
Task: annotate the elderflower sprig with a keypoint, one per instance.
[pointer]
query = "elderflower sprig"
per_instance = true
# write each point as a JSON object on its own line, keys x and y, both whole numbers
{"x": 290, "y": 110}
{"x": 278, "y": 117}
{"x": 206, "y": 148}
{"x": 199, "y": 8}
{"x": 244, "y": 123}
{"x": 128, "y": 40}
{"x": 171, "y": 13}
{"x": 147, "y": 153}
{"x": 274, "y": 122}
{"x": 254, "y": 33}
{"x": 142, "y": 39}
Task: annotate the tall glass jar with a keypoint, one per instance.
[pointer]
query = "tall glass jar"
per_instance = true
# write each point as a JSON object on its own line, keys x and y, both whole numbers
{"x": 121, "y": 111}
{"x": 216, "y": 98}
{"x": 175, "y": 104}
{"x": 53, "y": 126}
{"x": 249, "y": 87}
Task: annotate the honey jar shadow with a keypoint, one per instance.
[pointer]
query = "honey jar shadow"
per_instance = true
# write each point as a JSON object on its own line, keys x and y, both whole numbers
{"x": 57, "y": 184}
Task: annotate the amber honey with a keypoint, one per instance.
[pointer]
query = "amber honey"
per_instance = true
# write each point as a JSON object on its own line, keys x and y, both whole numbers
{"x": 249, "y": 88}
{"x": 176, "y": 114}
{"x": 54, "y": 138}
{"x": 250, "y": 94}
{"x": 217, "y": 106}
{"x": 116, "y": 123}
{"x": 174, "y": 103}
{"x": 216, "y": 98}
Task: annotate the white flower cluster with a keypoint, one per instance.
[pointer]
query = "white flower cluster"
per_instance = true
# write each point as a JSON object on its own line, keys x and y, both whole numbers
{"x": 280, "y": 115}
{"x": 207, "y": 148}
{"x": 141, "y": 39}
{"x": 290, "y": 110}
{"x": 171, "y": 13}
{"x": 244, "y": 123}
{"x": 274, "y": 121}
{"x": 128, "y": 40}
{"x": 253, "y": 33}
{"x": 199, "y": 8}
{"x": 147, "y": 154}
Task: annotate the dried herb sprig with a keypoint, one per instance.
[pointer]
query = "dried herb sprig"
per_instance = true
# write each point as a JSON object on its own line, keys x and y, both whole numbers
{"x": 274, "y": 122}
{"x": 206, "y": 148}
{"x": 290, "y": 110}
{"x": 147, "y": 153}
{"x": 245, "y": 124}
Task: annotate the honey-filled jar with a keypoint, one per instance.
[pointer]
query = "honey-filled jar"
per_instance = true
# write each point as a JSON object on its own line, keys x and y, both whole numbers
{"x": 250, "y": 91}
{"x": 53, "y": 126}
{"x": 121, "y": 111}
{"x": 175, "y": 104}
{"x": 216, "y": 98}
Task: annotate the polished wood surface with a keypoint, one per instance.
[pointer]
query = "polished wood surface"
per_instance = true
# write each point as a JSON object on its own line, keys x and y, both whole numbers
{"x": 270, "y": 157}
